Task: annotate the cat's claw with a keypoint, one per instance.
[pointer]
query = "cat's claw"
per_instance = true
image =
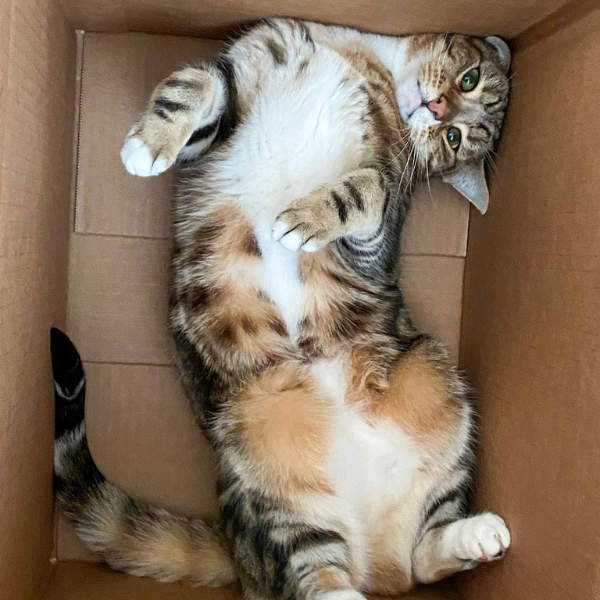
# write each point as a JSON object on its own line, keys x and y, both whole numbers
{"x": 139, "y": 161}
{"x": 294, "y": 231}
{"x": 290, "y": 237}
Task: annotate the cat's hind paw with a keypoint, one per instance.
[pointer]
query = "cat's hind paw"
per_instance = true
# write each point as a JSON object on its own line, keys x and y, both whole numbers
{"x": 482, "y": 538}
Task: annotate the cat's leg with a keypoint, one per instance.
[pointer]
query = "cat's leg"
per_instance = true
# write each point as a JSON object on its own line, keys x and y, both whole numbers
{"x": 352, "y": 206}
{"x": 326, "y": 583}
{"x": 181, "y": 121}
{"x": 460, "y": 545}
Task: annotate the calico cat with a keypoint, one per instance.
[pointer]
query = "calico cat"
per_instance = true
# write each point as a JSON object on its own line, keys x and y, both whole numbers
{"x": 343, "y": 435}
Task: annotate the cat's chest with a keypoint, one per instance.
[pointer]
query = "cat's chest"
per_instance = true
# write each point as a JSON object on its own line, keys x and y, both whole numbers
{"x": 301, "y": 132}
{"x": 278, "y": 278}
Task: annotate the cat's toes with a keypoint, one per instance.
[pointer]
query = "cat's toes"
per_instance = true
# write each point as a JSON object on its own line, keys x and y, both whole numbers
{"x": 483, "y": 538}
{"x": 138, "y": 159}
{"x": 293, "y": 233}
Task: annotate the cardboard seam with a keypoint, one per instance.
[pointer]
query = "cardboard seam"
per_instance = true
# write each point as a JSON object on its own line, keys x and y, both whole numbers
{"x": 115, "y": 363}
{"x": 81, "y": 36}
{"x": 122, "y": 236}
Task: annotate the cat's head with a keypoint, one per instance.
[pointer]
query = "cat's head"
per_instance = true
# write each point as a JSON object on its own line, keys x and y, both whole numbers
{"x": 452, "y": 97}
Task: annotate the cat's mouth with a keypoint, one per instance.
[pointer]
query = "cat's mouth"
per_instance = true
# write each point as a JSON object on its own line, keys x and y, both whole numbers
{"x": 422, "y": 118}
{"x": 416, "y": 108}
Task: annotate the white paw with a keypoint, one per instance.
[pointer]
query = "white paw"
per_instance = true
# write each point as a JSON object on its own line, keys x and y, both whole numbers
{"x": 341, "y": 595}
{"x": 278, "y": 230}
{"x": 290, "y": 240}
{"x": 482, "y": 538}
{"x": 139, "y": 161}
{"x": 310, "y": 246}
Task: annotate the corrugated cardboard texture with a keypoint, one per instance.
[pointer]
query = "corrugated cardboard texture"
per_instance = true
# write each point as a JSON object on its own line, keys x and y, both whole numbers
{"x": 118, "y": 299}
{"x": 432, "y": 287}
{"x": 140, "y": 426}
{"x": 531, "y": 335}
{"x": 214, "y": 17}
{"x": 76, "y": 581}
{"x": 119, "y": 75}
{"x": 37, "y": 68}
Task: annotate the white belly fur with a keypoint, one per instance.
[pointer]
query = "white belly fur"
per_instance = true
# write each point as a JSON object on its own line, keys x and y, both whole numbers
{"x": 369, "y": 465}
{"x": 302, "y": 132}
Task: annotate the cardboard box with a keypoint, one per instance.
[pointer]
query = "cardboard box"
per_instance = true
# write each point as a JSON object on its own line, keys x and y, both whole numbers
{"x": 84, "y": 246}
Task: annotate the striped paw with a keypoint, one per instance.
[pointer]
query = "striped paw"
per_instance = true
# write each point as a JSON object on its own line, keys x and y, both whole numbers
{"x": 309, "y": 224}
{"x": 181, "y": 122}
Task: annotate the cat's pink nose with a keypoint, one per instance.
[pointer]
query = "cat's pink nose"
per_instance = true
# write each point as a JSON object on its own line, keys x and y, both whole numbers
{"x": 438, "y": 107}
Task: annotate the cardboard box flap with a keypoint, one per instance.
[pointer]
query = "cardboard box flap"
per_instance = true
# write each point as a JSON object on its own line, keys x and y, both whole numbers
{"x": 37, "y": 69}
{"x": 216, "y": 17}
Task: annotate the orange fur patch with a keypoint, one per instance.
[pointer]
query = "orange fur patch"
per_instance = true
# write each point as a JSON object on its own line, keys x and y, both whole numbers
{"x": 284, "y": 427}
{"x": 417, "y": 398}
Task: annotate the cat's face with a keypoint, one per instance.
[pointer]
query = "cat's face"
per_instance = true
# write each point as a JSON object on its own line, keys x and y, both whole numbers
{"x": 453, "y": 101}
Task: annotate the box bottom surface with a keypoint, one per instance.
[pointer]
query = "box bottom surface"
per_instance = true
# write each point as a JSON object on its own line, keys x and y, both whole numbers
{"x": 76, "y": 580}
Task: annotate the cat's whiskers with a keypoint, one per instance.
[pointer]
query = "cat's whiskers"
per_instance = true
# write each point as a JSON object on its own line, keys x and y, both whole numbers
{"x": 394, "y": 158}
{"x": 427, "y": 168}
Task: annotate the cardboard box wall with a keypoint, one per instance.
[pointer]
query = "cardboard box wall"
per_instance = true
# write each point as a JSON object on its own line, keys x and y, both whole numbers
{"x": 529, "y": 327}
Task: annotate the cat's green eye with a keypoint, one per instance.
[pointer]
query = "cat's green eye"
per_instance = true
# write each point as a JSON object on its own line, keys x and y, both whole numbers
{"x": 454, "y": 136}
{"x": 470, "y": 80}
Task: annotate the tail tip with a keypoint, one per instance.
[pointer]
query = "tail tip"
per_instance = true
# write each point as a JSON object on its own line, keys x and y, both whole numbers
{"x": 66, "y": 364}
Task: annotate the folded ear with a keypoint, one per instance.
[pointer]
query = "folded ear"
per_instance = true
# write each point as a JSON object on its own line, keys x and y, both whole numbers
{"x": 502, "y": 50}
{"x": 469, "y": 180}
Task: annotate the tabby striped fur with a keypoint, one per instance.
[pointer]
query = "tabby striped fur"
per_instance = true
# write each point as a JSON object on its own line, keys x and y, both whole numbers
{"x": 343, "y": 436}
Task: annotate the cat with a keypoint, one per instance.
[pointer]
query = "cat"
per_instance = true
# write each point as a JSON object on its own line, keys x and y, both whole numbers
{"x": 343, "y": 435}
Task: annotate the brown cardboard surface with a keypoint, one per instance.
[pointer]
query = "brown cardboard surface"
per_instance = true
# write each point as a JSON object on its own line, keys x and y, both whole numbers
{"x": 144, "y": 438}
{"x": 432, "y": 288}
{"x": 77, "y": 581}
{"x": 214, "y": 17}
{"x": 438, "y": 221}
{"x": 37, "y": 66}
{"x": 531, "y": 334}
{"x": 118, "y": 299}
{"x": 119, "y": 73}
{"x": 81, "y": 581}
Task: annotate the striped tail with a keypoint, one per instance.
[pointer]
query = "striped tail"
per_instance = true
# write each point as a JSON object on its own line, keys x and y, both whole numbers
{"x": 130, "y": 536}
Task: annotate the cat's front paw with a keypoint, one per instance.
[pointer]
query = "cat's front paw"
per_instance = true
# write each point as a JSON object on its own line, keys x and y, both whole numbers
{"x": 307, "y": 224}
{"x": 140, "y": 160}
{"x": 482, "y": 538}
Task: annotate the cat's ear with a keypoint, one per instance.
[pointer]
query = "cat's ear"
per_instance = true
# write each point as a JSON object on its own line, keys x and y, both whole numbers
{"x": 469, "y": 180}
{"x": 502, "y": 50}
